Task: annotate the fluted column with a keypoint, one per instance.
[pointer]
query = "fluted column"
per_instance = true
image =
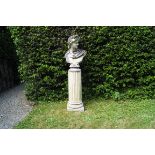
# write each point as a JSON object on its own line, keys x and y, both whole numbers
{"x": 75, "y": 90}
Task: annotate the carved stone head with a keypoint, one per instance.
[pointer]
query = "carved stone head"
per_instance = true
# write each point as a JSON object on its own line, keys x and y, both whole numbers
{"x": 73, "y": 42}
{"x": 74, "y": 56}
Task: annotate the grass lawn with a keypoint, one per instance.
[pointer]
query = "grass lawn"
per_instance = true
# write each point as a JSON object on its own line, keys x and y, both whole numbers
{"x": 99, "y": 113}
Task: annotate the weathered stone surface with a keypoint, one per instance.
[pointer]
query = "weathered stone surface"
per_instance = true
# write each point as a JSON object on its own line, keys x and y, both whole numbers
{"x": 75, "y": 90}
{"x": 74, "y": 56}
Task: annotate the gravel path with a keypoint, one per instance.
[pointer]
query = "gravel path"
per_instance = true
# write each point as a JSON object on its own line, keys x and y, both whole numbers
{"x": 13, "y": 107}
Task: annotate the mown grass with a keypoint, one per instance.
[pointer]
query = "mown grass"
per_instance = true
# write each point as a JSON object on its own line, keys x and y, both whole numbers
{"x": 99, "y": 113}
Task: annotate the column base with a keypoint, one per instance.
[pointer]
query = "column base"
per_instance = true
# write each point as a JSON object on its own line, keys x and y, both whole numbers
{"x": 75, "y": 106}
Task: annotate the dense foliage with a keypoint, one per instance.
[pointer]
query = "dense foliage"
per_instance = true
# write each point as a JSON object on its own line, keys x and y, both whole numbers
{"x": 120, "y": 61}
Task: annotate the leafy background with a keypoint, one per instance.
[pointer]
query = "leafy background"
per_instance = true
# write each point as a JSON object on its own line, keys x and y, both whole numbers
{"x": 120, "y": 61}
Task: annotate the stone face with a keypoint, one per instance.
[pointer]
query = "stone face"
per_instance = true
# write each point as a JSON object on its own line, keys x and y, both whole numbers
{"x": 74, "y": 56}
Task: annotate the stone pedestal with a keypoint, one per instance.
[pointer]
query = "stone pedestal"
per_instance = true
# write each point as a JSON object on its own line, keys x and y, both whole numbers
{"x": 75, "y": 90}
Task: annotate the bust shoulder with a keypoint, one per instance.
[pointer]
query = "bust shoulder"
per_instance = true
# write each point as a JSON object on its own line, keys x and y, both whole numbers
{"x": 66, "y": 55}
{"x": 80, "y": 53}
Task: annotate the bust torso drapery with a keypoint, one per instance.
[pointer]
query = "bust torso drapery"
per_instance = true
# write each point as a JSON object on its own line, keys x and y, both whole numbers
{"x": 74, "y": 56}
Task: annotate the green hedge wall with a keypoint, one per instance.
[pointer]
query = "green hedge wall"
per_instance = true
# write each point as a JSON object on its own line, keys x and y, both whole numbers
{"x": 120, "y": 61}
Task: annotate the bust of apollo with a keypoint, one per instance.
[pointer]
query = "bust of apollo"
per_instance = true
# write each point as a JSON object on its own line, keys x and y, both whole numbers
{"x": 74, "y": 56}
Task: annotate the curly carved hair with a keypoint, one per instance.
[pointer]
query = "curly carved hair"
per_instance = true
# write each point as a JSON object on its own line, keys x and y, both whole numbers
{"x": 72, "y": 39}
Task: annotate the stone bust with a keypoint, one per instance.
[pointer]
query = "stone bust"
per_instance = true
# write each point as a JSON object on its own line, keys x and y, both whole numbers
{"x": 74, "y": 56}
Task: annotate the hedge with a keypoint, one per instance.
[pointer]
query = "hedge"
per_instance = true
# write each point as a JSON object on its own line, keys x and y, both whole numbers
{"x": 120, "y": 61}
